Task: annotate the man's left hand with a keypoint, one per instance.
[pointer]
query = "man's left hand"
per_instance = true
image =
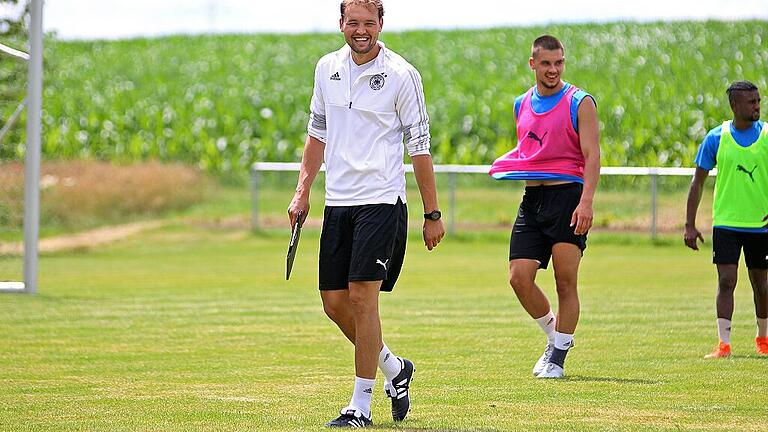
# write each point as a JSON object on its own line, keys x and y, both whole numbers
{"x": 582, "y": 218}
{"x": 433, "y": 232}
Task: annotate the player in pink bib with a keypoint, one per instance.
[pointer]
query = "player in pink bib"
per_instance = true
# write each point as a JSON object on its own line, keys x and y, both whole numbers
{"x": 558, "y": 157}
{"x": 548, "y": 145}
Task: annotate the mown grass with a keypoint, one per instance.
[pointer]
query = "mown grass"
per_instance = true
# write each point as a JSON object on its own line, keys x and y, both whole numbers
{"x": 190, "y": 328}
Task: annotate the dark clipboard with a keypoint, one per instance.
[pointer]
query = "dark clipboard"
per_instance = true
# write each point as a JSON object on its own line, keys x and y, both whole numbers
{"x": 293, "y": 245}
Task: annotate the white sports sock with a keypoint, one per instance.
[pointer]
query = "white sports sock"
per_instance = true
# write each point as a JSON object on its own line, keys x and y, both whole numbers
{"x": 724, "y": 330}
{"x": 389, "y": 363}
{"x": 563, "y": 341}
{"x": 762, "y": 327}
{"x": 361, "y": 397}
{"x": 547, "y": 323}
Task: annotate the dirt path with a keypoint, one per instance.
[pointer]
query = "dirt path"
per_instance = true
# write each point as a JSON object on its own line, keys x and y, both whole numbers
{"x": 83, "y": 240}
{"x": 110, "y": 234}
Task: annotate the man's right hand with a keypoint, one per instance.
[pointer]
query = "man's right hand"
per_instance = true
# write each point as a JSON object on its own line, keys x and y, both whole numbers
{"x": 299, "y": 203}
{"x": 691, "y": 235}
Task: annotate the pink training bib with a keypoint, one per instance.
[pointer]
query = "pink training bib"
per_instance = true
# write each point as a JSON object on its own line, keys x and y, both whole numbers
{"x": 547, "y": 145}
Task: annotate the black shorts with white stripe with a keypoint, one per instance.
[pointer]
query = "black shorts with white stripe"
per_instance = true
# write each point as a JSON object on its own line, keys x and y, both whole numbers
{"x": 363, "y": 243}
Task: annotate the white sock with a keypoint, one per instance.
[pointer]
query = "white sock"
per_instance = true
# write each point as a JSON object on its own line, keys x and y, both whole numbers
{"x": 563, "y": 341}
{"x": 389, "y": 363}
{"x": 724, "y": 330}
{"x": 762, "y": 327}
{"x": 361, "y": 397}
{"x": 547, "y": 323}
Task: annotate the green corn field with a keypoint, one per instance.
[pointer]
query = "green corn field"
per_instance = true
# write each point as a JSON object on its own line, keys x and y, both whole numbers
{"x": 223, "y": 102}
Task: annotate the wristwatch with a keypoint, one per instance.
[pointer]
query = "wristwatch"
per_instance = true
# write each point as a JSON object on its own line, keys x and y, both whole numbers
{"x": 435, "y": 215}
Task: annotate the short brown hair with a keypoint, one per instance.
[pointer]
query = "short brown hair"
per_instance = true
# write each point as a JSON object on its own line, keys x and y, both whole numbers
{"x": 378, "y": 3}
{"x": 547, "y": 42}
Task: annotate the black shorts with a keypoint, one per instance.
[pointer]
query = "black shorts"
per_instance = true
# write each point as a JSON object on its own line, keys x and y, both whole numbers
{"x": 544, "y": 219}
{"x": 727, "y": 245}
{"x": 363, "y": 243}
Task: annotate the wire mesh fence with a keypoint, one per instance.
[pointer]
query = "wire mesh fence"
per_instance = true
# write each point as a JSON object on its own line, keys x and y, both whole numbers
{"x": 11, "y": 220}
{"x": 11, "y": 217}
{"x": 13, "y": 88}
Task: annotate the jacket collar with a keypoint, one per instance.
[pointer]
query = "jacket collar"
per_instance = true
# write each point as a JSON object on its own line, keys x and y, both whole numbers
{"x": 378, "y": 63}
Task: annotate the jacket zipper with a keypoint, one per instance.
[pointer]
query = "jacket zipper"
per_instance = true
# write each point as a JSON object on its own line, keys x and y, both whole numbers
{"x": 366, "y": 73}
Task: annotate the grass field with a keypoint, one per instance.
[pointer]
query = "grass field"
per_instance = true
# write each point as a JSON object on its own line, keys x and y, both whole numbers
{"x": 192, "y": 328}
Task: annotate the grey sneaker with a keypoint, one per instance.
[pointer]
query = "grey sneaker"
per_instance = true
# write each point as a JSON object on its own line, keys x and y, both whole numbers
{"x": 551, "y": 371}
{"x": 541, "y": 364}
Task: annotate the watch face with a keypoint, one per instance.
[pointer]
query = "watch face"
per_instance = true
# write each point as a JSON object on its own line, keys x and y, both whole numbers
{"x": 435, "y": 215}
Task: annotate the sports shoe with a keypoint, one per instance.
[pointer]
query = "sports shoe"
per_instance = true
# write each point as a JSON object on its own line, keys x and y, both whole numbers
{"x": 722, "y": 350}
{"x": 541, "y": 364}
{"x": 350, "y": 418}
{"x": 761, "y": 344}
{"x": 551, "y": 371}
{"x": 397, "y": 390}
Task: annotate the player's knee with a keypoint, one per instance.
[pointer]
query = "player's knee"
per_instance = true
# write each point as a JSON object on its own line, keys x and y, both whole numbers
{"x": 334, "y": 310}
{"x": 361, "y": 302}
{"x": 566, "y": 289}
{"x": 726, "y": 283}
{"x": 760, "y": 289}
{"x": 565, "y": 284}
{"x": 519, "y": 280}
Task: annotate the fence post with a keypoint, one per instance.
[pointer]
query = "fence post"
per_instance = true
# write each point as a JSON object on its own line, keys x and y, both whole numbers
{"x": 452, "y": 198}
{"x": 255, "y": 197}
{"x": 654, "y": 177}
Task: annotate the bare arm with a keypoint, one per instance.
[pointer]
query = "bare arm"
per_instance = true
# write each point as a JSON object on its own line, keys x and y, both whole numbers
{"x": 694, "y": 198}
{"x": 433, "y": 231}
{"x": 311, "y": 161}
{"x": 589, "y": 137}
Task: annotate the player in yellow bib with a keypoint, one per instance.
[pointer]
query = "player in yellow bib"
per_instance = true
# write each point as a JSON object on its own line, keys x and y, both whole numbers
{"x": 739, "y": 148}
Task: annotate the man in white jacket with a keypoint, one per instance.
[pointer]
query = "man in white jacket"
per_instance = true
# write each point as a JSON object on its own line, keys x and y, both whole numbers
{"x": 367, "y": 102}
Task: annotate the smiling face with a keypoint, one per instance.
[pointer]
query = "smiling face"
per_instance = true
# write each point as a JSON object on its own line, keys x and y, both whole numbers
{"x": 361, "y": 26}
{"x": 548, "y": 66}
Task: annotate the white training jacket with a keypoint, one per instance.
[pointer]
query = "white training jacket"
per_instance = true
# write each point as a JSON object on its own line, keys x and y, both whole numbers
{"x": 364, "y": 128}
